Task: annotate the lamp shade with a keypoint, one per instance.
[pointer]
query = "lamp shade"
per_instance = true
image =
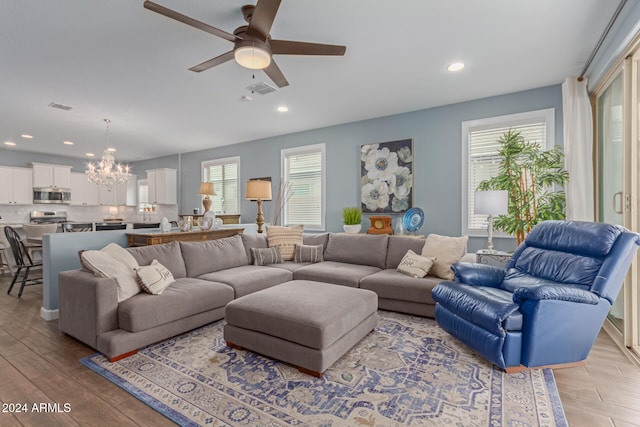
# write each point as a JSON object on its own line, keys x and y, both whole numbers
{"x": 491, "y": 202}
{"x": 206, "y": 189}
{"x": 258, "y": 190}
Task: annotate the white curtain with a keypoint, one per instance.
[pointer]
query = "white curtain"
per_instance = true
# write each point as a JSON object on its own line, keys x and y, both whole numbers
{"x": 578, "y": 149}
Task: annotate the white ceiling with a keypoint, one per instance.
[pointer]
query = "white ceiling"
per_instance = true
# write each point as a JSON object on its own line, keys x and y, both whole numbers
{"x": 114, "y": 59}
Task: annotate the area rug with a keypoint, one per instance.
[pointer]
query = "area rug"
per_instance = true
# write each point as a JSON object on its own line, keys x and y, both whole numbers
{"x": 408, "y": 372}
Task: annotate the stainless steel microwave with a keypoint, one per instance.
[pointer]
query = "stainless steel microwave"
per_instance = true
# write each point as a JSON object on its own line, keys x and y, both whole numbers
{"x": 52, "y": 195}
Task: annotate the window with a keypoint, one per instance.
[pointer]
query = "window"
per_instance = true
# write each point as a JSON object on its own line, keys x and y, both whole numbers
{"x": 143, "y": 197}
{"x": 303, "y": 175}
{"x": 480, "y": 154}
{"x": 224, "y": 175}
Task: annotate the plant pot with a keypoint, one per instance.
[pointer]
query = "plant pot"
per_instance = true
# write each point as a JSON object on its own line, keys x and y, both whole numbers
{"x": 352, "y": 229}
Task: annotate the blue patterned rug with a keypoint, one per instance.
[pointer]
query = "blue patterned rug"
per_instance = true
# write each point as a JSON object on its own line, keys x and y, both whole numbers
{"x": 408, "y": 372}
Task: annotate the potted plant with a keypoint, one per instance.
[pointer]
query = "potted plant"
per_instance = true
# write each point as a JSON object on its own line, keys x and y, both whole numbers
{"x": 352, "y": 218}
{"x": 529, "y": 174}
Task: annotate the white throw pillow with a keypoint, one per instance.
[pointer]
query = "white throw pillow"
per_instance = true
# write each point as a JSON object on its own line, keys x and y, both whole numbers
{"x": 116, "y": 263}
{"x": 447, "y": 251}
{"x": 415, "y": 265}
{"x": 154, "y": 278}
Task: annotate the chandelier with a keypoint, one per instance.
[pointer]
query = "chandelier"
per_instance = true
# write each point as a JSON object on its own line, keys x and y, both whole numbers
{"x": 107, "y": 173}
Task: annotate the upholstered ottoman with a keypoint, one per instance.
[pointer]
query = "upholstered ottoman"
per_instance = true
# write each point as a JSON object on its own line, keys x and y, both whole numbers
{"x": 307, "y": 324}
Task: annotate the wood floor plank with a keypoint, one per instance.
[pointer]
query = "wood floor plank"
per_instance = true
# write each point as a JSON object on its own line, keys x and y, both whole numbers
{"x": 31, "y": 365}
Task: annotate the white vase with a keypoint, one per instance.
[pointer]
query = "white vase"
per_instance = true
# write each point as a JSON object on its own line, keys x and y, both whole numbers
{"x": 352, "y": 229}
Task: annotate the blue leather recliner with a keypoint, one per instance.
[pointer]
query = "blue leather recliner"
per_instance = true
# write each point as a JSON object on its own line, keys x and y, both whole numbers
{"x": 547, "y": 306}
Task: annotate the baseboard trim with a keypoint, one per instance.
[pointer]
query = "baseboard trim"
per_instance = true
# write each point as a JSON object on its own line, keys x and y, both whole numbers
{"x": 47, "y": 314}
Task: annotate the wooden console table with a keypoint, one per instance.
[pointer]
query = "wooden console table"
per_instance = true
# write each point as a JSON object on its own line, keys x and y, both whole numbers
{"x": 144, "y": 239}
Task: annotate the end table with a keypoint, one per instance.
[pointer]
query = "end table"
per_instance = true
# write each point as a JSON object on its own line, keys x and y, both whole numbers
{"x": 495, "y": 258}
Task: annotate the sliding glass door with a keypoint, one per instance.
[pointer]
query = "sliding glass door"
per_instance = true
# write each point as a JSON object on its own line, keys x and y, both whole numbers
{"x": 612, "y": 195}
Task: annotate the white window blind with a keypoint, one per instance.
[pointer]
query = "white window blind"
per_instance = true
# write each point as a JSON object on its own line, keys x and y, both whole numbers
{"x": 223, "y": 173}
{"x": 480, "y": 138}
{"x": 303, "y": 174}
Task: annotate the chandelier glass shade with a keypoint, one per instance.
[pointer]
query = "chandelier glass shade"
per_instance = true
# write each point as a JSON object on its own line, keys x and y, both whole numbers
{"x": 107, "y": 173}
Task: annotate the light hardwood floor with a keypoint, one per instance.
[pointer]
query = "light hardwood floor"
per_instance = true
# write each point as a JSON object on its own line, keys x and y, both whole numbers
{"x": 38, "y": 364}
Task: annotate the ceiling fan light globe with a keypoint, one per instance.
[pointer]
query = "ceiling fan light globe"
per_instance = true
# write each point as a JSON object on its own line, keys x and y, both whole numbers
{"x": 252, "y": 57}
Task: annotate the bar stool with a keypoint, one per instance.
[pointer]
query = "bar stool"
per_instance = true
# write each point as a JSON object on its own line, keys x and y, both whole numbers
{"x": 4, "y": 260}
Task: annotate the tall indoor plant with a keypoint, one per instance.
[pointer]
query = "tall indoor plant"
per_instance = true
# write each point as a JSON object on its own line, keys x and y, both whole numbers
{"x": 530, "y": 175}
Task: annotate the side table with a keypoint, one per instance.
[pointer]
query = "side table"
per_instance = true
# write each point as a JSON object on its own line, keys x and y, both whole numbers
{"x": 495, "y": 258}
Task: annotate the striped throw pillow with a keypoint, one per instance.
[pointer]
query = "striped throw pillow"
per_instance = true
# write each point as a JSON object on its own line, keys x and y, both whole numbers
{"x": 154, "y": 278}
{"x": 265, "y": 256}
{"x": 309, "y": 253}
{"x": 285, "y": 239}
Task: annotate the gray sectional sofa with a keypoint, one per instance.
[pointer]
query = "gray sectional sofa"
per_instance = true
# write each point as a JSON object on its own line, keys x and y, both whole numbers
{"x": 210, "y": 274}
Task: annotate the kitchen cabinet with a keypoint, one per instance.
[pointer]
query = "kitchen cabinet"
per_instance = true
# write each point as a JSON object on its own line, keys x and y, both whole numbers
{"x": 162, "y": 185}
{"x": 83, "y": 192}
{"x": 18, "y": 189}
{"x": 45, "y": 175}
{"x": 86, "y": 193}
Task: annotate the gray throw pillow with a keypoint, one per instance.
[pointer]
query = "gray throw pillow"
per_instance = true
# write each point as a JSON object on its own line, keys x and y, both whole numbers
{"x": 265, "y": 256}
{"x": 309, "y": 253}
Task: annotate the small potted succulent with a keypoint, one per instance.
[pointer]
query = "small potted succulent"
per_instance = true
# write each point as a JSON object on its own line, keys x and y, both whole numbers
{"x": 352, "y": 218}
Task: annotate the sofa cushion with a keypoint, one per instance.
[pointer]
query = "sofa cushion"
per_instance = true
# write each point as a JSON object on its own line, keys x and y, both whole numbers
{"x": 249, "y": 278}
{"x": 415, "y": 265}
{"x": 185, "y": 297}
{"x": 264, "y": 256}
{"x": 398, "y": 247}
{"x": 338, "y": 273}
{"x": 253, "y": 240}
{"x": 391, "y": 284}
{"x": 309, "y": 253}
{"x": 560, "y": 267}
{"x": 285, "y": 239}
{"x": 290, "y": 265}
{"x": 447, "y": 251}
{"x": 154, "y": 278}
{"x": 363, "y": 249}
{"x": 213, "y": 255}
{"x": 167, "y": 254}
{"x": 116, "y": 263}
{"x": 315, "y": 239}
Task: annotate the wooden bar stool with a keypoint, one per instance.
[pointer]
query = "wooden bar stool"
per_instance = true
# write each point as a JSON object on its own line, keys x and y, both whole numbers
{"x": 4, "y": 260}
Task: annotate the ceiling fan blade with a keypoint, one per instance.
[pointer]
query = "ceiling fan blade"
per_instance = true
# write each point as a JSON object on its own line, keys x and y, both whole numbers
{"x": 286, "y": 47}
{"x": 276, "y": 75}
{"x": 213, "y": 62}
{"x": 262, "y": 19}
{"x": 189, "y": 21}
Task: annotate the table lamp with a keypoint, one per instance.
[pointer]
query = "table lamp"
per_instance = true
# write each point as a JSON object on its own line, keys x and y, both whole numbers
{"x": 258, "y": 190}
{"x": 490, "y": 203}
{"x": 206, "y": 190}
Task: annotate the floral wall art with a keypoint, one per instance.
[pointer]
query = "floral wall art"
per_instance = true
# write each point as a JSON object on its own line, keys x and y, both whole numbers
{"x": 386, "y": 171}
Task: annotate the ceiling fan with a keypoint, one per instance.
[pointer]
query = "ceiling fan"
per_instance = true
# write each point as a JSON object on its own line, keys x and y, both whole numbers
{"x": 253, "y": 47}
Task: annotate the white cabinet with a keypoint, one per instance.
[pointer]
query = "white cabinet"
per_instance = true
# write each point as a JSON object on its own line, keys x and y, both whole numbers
{"x": 83, "y": 192}
{"x": 16, "y": 186}
{"x": 86, "y": 193}
{"x": 45, "y": 175}
{"x": 163, "y": 185}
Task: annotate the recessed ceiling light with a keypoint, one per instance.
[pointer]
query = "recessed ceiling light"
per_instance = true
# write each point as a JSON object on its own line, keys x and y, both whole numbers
{"x": 283, "y": 109}
{"x": 456, "y": 66}
{"x": 10, "y": 143}
{"x": 26, "y": 136}
{"x": 67, "y": 142}
{"x": 111, "y": 149}
{"x": 90, "y": 154}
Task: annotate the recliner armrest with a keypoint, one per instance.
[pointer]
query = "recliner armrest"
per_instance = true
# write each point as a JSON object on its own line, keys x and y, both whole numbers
{"x": 553, "y": 292}
{"x": 478, "y": 274}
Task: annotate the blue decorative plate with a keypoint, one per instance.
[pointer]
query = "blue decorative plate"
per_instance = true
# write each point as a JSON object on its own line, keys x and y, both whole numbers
{"x": 413, "y": 219}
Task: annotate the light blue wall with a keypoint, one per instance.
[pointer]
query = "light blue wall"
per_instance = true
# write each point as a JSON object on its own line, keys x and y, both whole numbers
{"x": 24, "y": 159}
{"x": 436, "y": 134}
